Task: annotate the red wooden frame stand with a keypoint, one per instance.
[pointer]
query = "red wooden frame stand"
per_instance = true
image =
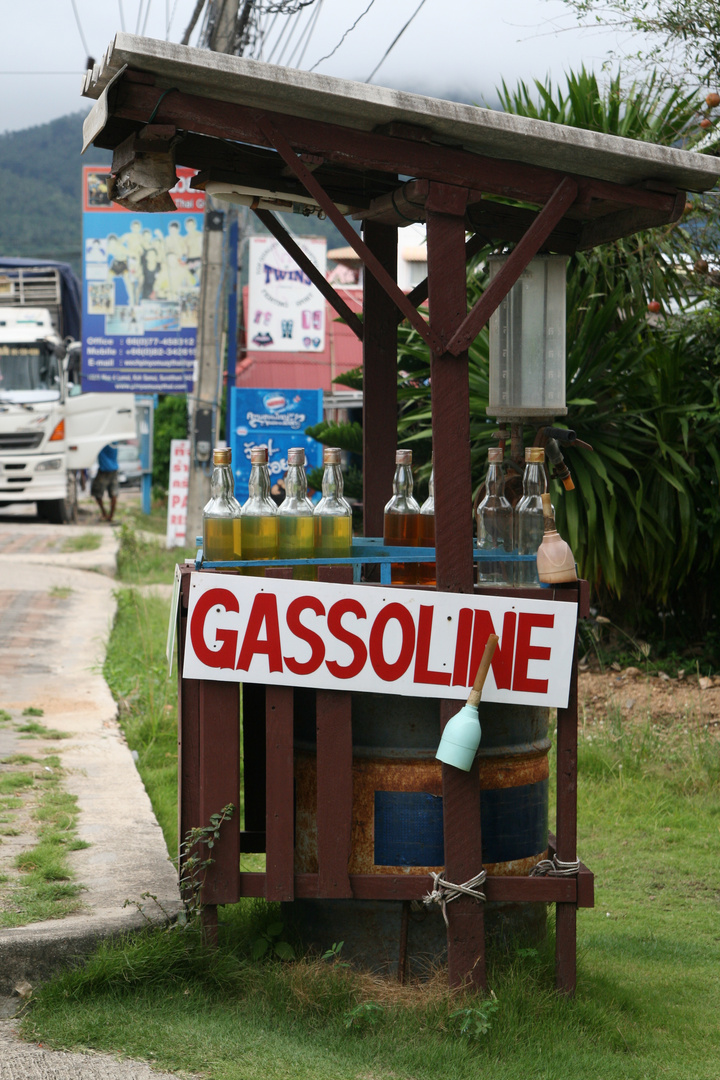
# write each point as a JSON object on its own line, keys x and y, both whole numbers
{"x": 210, "y": 757}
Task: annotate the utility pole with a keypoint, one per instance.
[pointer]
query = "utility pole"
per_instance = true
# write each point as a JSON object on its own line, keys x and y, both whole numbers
{"x": 204, "y": 404}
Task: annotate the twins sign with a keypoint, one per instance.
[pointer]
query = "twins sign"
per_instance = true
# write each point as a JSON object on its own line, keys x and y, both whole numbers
{"x": 380, "y": 640}
{"x": 286, "y": 313}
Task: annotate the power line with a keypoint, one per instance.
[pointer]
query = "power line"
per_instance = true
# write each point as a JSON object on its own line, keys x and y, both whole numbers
{"x": 291, "y": 24}
{"x": 348, "y": 31}
{"x": 395, "y": 41}
{"x": 308, "y": 37}
{"x": 80, "y": 29}
{"x": 122, "y": 16}
{"x": 147, "y": 13}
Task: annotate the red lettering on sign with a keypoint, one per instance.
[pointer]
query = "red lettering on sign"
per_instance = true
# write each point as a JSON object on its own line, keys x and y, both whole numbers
{"x": 524, "y": 652}
{"x": 225, "y": 655}
{"x": 336, "y": 628}
{"x": 264, "y": 612}
{"x": 502, "y": 661}
{"x": 422, "y": 673}
{"x": 462, "y": 647}
{"x": 385, "y": 671}
{"x": 316, "y": 643}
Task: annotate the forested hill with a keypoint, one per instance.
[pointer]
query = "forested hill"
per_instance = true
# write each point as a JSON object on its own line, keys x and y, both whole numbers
{"x": 40, "y": 193}
{"x": 40, "y": 173}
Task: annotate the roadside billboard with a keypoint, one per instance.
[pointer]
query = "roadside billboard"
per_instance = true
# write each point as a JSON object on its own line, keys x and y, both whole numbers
{"x": 286, "y": 313}
{"x": 273, "y": 418}
{"x": 141, "y": 289}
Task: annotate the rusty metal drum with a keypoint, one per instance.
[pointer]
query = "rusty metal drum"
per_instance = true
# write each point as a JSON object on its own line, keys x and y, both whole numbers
{"x": 397, "y": 814}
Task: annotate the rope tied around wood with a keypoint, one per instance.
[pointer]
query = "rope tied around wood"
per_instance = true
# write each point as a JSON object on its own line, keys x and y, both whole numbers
{"x": 555, "y": 868}
{"x": 444, "y": 892}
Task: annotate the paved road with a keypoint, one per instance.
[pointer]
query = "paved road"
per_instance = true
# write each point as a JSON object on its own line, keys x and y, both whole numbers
{"x": 56, "y": 612}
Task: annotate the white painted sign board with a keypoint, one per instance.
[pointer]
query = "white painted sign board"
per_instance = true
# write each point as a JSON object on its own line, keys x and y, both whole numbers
{"x": 286, "y": 313}
{"x": 178, "y": 482}
{"x": 380, "y": 640}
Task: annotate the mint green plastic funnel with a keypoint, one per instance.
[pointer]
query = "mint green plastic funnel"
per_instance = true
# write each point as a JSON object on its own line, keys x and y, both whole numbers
{"x": 461, "y": 735}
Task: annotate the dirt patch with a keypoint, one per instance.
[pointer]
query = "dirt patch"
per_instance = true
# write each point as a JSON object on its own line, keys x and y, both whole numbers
{"x": 639, "y": 697}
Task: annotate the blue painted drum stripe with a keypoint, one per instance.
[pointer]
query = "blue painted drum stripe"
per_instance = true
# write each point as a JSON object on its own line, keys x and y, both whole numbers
{"x": 409, "y": 825}
{"x": 408, "y": 829}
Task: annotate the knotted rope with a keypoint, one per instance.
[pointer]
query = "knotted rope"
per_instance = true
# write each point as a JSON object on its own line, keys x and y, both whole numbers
{"x": 555, "y": 868}
{"x": 444, "y": 892}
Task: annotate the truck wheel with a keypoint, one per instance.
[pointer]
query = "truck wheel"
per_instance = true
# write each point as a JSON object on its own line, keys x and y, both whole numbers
{"x": 61, "y": 511}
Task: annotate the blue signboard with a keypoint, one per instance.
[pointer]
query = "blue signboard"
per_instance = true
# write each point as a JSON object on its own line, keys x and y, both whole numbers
{"x": 141, "y": 290}
{"x": 276, "y": 419}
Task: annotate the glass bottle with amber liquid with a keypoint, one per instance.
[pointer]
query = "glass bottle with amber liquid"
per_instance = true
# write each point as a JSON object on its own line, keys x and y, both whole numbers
{"x": 259, "y": 514}
{"x": 221, "y": 514}
{"x": 426, "y": 573}
{"x": 296, "y": 531}
{"x": 332, "y": 517}
{"x": 401, "y": 522}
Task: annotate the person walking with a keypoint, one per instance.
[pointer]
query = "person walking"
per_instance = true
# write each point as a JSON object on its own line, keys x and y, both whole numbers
{"x": 106, "y": 480}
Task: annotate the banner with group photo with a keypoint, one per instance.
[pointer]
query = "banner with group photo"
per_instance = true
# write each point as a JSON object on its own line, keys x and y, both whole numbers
{"x": 141, "y": 290}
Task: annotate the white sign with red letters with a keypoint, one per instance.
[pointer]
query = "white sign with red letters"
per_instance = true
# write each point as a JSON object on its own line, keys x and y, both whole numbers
{"x": 380, "y": 640}
{"x": 178, "y": 492}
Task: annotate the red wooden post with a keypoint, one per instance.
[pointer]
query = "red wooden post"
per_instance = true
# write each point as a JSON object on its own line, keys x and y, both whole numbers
{"x": 280, "y": 823}
{"x": 379, "y": 380}
{"x": 453, "y": 540}
{"x": 566, "y": 914}
{"x": 334, "y": 792}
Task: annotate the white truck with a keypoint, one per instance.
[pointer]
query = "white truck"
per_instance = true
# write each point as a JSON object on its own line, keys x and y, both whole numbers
{"x": 49, "y": 430}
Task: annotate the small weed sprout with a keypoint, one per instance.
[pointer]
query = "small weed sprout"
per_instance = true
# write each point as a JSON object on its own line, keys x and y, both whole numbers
{"x": 365, "y": 1015}
{"x": 269, "y": 941}
{"x": 194, "y": 864}
{"x": 474, "y": 1021}
{"x": 32, "y": 711}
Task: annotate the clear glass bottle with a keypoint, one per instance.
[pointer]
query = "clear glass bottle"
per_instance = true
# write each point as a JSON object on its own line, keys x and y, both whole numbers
{"x": 426, "y": 573}
{"x": 333, "y": 514}
{"x": 401, "y": 521}
{"x": 259, "y": 514}
{"x": 221, "y": 514}
{"x": 495, "y": 523}
{"x": 296, "y": 533}
{"x": 529, "y": 520}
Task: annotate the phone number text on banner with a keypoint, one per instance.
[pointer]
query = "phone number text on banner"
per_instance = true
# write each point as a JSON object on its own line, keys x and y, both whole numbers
{"x": 379, "y": 640}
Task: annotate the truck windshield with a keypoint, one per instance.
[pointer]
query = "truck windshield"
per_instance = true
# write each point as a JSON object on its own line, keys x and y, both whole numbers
{"x": 28, "y": 367}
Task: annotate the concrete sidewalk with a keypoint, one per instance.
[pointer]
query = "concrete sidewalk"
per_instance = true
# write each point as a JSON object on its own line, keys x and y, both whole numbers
{"x": 57, "y": 609}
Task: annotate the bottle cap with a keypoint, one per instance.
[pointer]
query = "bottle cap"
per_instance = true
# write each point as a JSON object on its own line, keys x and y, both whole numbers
{"x": 495, "y": 454}
{"x": 403, "y": 457}
{"x": 259, "y": 455}
{"x": 331, "y": 455}
{"x": 296, "y": 455}
{"x": 535, "y": 454}
{"x": 222, "y": 455}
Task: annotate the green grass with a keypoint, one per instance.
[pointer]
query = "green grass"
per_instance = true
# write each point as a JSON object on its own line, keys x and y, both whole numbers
{"x": 89, "y": 541}
{"x": 61, "y": 592}
{"x": 33, "y": 730}
{"x": 648, "y": 996}
{"x": 147, "y": 562}
{"x": 44, "y": 888}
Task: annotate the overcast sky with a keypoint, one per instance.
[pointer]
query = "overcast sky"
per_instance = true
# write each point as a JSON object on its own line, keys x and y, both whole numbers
{"x": 451, "y": 46}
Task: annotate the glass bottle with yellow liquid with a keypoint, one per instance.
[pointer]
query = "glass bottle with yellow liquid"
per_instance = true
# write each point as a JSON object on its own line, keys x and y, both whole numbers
{"x": 221, "y": 514}
{"x": 296, "y": 530}
{"x": 426, "y": 574}
{"x": 332, "y": 516}
{"x": 259, "y": 513}
{"x": 401, "y": 522}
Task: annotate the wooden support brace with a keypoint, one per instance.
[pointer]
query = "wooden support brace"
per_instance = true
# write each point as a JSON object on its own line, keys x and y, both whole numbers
{"x": 323, "y": 286}
{"x": 561, "y": 200}
{"x": 376, "y": 268}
